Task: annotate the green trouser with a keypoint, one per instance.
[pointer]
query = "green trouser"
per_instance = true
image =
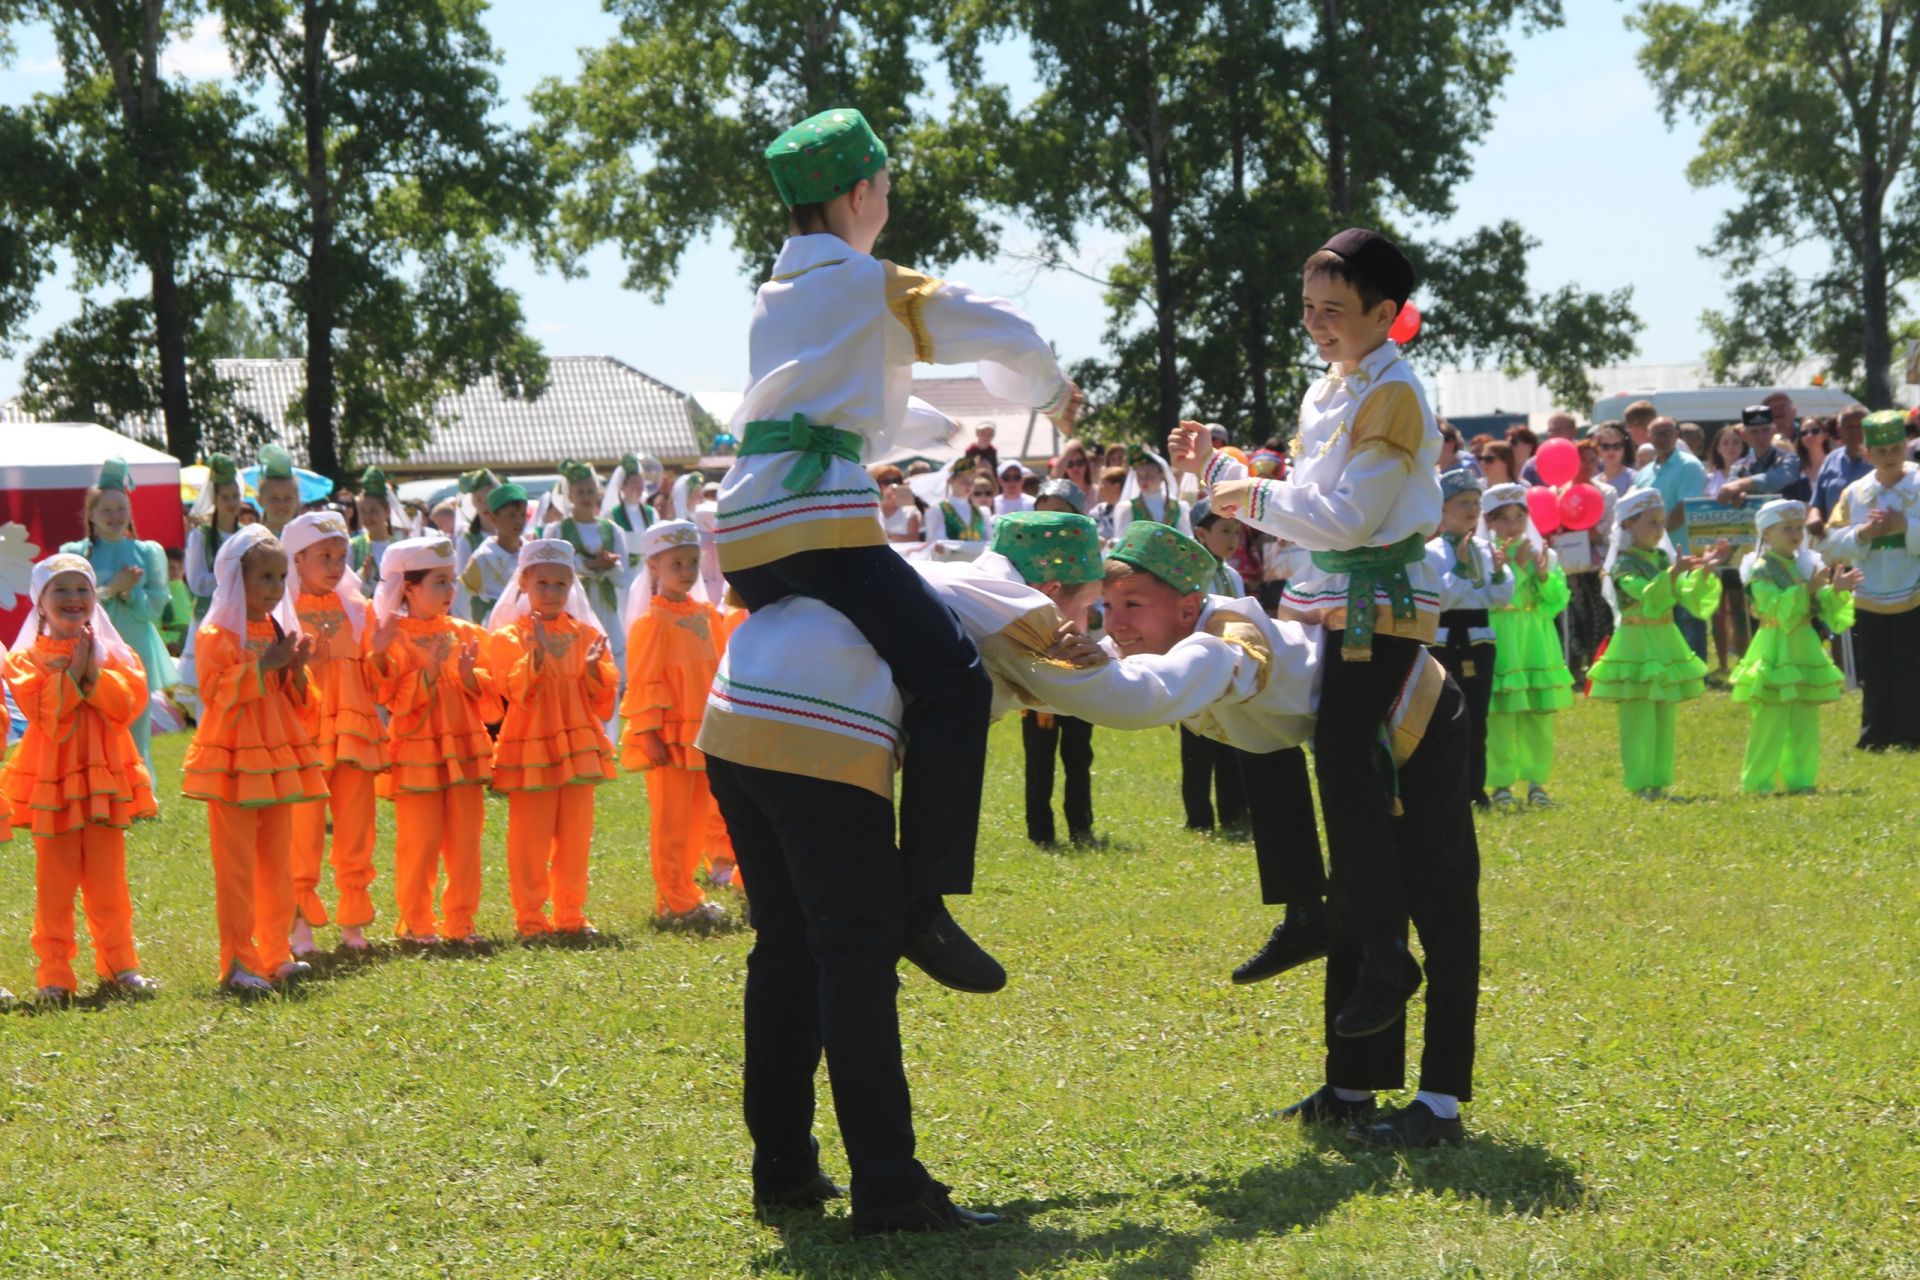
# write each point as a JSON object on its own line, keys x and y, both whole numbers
{"x": 1646, "y": 743}
{"x": 1519, "y": 748}
{"x": 1785, "y": 743}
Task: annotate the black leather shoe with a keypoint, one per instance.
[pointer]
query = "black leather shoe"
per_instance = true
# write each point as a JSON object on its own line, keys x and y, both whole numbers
{"x": 1299, "y": 938}
{"x": 1323, "y": 1106}
{"x": 932, "y": 1210}
{"x": 1388, "y": 979}
{"x": 811, "y": 1194}
{"x": 1413, "y": 1125}
{"x": 947, "y": 955}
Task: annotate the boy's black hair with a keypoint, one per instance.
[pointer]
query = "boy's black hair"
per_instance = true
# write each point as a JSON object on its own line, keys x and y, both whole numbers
{"x": 1369, "y": 262}
{"x": 176, "y": 555}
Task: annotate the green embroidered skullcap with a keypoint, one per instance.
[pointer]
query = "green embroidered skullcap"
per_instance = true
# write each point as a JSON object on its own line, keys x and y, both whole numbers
{"x": 1167, "y": 554}
{"x": 276, "y": 463}
{"x": 963, "y": 465}
{"x": 113, "y": 475}
{"x": 473, "y": 481}
{"x": 503, "y": 494}
{"x": 1138, "y": 456}
{"x": 1050, "y": 546}
{"x": 1889, "y": 426}
{"x": 574, "y": 471}
{"x": 824, "y": 156}
{"x": 630, "y": 463}
{"x": 373, "y": 481}
{"x": 222, "y": 469}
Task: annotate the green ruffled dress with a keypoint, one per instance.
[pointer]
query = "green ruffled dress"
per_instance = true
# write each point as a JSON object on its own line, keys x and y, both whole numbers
{"x": 1786, "y": 661}
{"x": 1530, "y": 668}
{"x": 1648, "y": 659}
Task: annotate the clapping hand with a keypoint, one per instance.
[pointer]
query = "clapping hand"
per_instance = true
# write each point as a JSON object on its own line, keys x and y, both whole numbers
{"x": 279, "y": 653}
{"x": 604, "y": 560}
{"x": 302, "y": 652}
{"x": 86, "y": 661}
{"x": 469, "y": 659}
{"x": 125, "y": 580}
{"x": 1189, "y": 446}
{"x": 1820, "y": 578}
{"x": 1848, "y": 579}
{"x": 1069, "y": 411}
{"x": 1721, "y": 553}
{"x": 539, "y": 643}
{"x": 596, "y": 651}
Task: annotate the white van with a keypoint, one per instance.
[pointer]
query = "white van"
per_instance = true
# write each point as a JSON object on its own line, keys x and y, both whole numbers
{"x": 1712, "y": 406}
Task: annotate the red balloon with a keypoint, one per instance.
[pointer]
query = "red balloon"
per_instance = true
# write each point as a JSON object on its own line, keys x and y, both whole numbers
{"x": 1405, "y": 325}
{"x": 1558, "y": 462}
{"x": 1544, "y": 506}
{"x": 1581, "y": 506}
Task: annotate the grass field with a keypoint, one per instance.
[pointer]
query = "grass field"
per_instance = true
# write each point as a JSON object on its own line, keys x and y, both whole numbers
{"x": 1700, "y": 1036}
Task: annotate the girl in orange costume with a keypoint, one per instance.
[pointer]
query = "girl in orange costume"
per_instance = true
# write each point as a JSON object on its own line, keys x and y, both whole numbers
{"x": 76, "y": 779}
{"x": 252, "y": 758}
{"x": 347, "y": 732}
{"x": 429, "y": 672}
{"x": 551, "y": 664}
{"x": 673, "y": 649}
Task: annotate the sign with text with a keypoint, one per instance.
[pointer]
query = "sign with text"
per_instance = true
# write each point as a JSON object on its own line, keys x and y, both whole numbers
{"x": 1709, "y": 521}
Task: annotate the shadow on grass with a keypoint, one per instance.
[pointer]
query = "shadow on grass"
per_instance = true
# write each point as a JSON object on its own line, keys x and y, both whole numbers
{"x": 1294, "y": 1194}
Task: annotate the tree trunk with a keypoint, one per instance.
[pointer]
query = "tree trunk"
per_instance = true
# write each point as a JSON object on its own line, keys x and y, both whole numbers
{"x": 170, "y": 336}
{"x": 322, "y": 452}
{"x": 1876, "y": 345}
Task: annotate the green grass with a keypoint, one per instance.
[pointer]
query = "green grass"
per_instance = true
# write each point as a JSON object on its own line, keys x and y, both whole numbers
{"x": 1699, "y": 1037}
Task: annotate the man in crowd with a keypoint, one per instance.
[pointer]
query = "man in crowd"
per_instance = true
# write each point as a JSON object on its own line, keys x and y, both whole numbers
{"x": 1842, "y": 467}
{"x": 1773, "y": 464}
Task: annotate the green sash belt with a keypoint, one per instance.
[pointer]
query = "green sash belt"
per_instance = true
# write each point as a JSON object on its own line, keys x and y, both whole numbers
{"x": 1891, "y": 541}
{"x": 819, "y": 443}
{"x": 1369, "y": 570}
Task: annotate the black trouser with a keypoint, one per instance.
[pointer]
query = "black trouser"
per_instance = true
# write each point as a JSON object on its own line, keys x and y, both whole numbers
{"x": 829, "y": 915}
{"x": 1471, "y": 666}
{"x": 1074, "y": 740}
{"x": 939, "y": 674}
{"x": 1207, "y": 766}
{"x": 1355, "y": 773}
{"x": 1438, "y": 863}
{"x": 1884, "y": 648}
{"x": 1286, "y": 843}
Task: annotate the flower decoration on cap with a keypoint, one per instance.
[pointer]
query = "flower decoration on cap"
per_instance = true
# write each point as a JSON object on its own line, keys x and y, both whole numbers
{"x": 1889, "y": 426}
{"x": 825, "y": 156}
{"x": 1460, "y": 480}
{"x": 664, "y": 535}
{"x": 514, "y": 602}
{"x": 222, "y": 469}
{"x": 545, "y": 551}
{"x": 477, "y": 479}
{"x": 630, "y": 463}
{"x": 304, "y": 531}
{"x": 1377, "y": 259}
{"x": 1050, "y": 546}
{"x": 1066, "y": 490}
{"x": 275, "y": 463}
{"x": 1167, "y": 554}
{"x": 409, "y": 555}
{"x": 1138, "y": 455}
{"x": 574, "y": 471}
{"x": 502, "y": 494}
{"x": 964, "y": 465}
{"x": 113, "y": 475}
{"x": 1779, "y": 511}
{"x": 374, "y": 481}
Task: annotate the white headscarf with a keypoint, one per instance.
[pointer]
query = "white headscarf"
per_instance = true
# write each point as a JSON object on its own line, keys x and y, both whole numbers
{"x": 1508, "y": 495}
{"x": 430, "y": 552}
{"x": 317, "y": 526}
{"x": 660, "y": 536}
{"x": 104, "y": 634}
{"x": 1806, "y": 561}
{"x": 1636, "y": 502}
{"x": 202, "y": 512}
{"x": 712, "y": 586}
{"x": 229, "y": 608}
{"x": 649, "y": 470}
{"x": 513, "y": 602}
{"x": 684, "y": 499}
{"x": 1131, "y": 489}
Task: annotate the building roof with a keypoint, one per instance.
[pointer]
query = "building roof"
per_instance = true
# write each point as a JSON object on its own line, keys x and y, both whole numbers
{"x": 595, "y": 408}
{"x": 1021, "y": 433}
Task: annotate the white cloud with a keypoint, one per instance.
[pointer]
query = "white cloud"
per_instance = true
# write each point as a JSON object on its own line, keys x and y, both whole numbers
{"x": 202, "y": 55}
{"x": 550, "y": 327}
{"x": 43, "y": 67}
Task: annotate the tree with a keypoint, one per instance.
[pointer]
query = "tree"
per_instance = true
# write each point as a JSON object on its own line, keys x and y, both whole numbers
{"x": 1808, "y": 108}
{"x": 379, "y": 190}
{"x": 659, "y": 140}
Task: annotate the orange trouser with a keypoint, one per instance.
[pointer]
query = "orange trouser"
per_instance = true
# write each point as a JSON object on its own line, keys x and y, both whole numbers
{"x": 252, "y": 885}
{"x": 350, "y": 797}
{"x": 431, "y": 827}
{"x": 683, "y": 812}
{"x": 92, "y": 861}
{"x": 548, "y": 836}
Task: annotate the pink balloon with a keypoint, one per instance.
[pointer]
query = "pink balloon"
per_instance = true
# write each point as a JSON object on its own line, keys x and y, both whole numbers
{"x": 1544, "y": 506}
{"x": 1405, "y": 325}
{"x": 1581, "y": 506}
{"x": 1558, "y": 462}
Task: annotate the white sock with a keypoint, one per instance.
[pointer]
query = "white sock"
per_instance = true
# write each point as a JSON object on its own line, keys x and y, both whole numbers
{"x": 1444, "y": 1105}
{"x": 1353, "y": 1095}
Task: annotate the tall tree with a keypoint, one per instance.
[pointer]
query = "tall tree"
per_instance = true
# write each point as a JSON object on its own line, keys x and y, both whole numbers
{"x": 1808, "y": 108}
{"x": 380, "y": 191}
{"x": 658, "y": 140}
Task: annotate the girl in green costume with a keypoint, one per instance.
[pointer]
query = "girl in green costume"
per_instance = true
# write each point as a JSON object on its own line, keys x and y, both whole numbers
{"x": 1648, "y": 668}
{"x": 1786, "y": 673}
{"x": 1530, "y": 677}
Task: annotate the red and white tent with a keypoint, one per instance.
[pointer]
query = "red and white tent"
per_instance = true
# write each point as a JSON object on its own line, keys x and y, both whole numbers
{"x": 46, "y": 469}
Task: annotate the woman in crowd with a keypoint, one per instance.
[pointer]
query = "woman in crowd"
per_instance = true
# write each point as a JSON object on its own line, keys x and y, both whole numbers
{"x": 1728, "y": 447}
{"x": 898, "y": 511}
{"x": 1612, "y": 442}
{"x": 1497, "y": 466}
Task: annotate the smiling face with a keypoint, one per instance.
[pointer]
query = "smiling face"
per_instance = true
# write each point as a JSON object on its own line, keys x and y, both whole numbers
{"x": 1144, "y": 614}
{"x": 674, "y": 570}
{"x": 226, "y": 504}
{"x": 1343, "y": 329}
{"x": 263, "y": 576}
{"x": 67, "y": 605}
{"x": 112, "y": 515}
{"x": 375, "y": 516}
{"x": 546, "y": 587}
{"x": 321, "y": 566}
{"x": 431, "y": 596}
{"x": 279, "y": 501}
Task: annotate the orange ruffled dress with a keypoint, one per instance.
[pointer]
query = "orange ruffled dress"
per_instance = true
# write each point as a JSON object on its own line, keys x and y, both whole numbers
{"x": 437, "y": 734}
{"x": 346, "y": 726}
{"x": 254, "y": 746}
{"x": 672, "y": 653}
{"x": 553, "y": 734}
{"x": 76, "y": 764}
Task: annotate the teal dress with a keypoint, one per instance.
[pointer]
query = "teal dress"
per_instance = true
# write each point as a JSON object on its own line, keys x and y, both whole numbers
{"x": 137, "y": 615}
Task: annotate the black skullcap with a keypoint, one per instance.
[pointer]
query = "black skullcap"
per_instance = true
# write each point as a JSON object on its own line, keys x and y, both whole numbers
{"x": 1756, "y": 415}
{"x": 1376, "y": 258}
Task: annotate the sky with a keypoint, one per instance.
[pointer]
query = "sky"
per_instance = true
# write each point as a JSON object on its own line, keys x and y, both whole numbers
{"x": 1577, "y": 154}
